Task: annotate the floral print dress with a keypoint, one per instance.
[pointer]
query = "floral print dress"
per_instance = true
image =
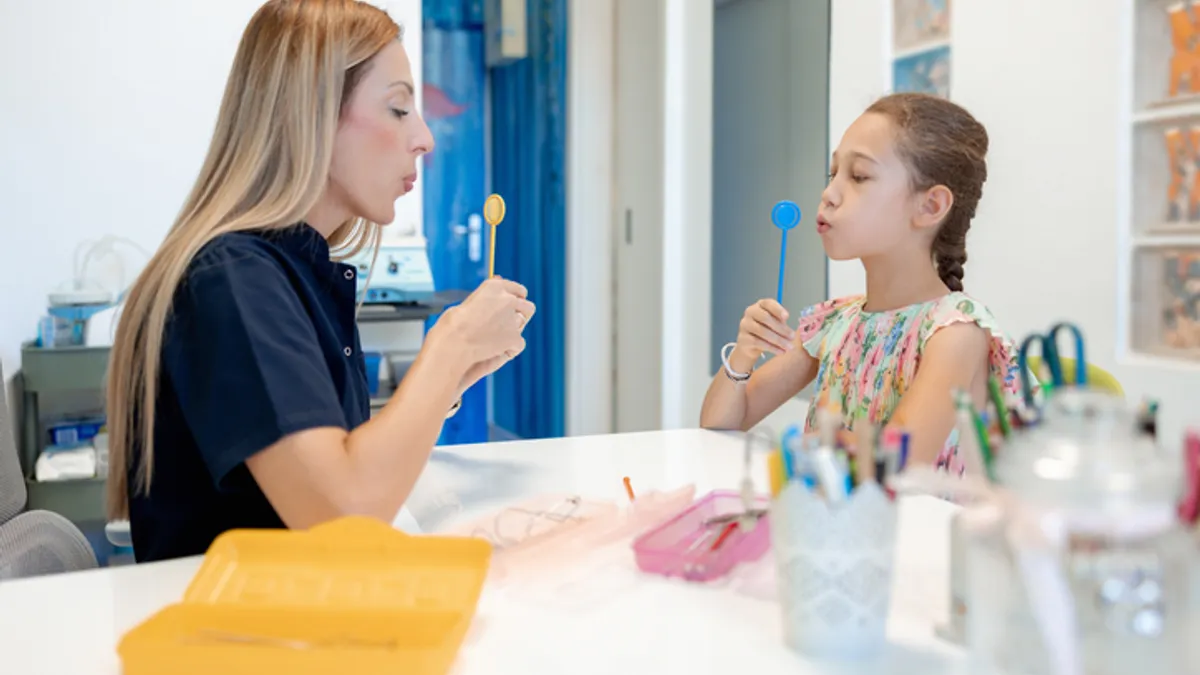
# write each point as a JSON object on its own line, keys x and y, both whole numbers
{"x": 869, "y": 359}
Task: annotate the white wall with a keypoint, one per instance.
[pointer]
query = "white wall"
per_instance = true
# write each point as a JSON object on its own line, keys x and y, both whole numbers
{"x": 105, "y": 115}
{"x": 590, "y": 113}
{"x": 687, "y": 211}
{"x": 1045, "y": 244}
{"x": 681, "y": 274}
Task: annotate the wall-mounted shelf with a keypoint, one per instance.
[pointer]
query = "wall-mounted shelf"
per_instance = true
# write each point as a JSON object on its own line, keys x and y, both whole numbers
{"x": 1166, "y": 111}
{"x": 434, "y": 304}
{"x": 1161, "y": 307}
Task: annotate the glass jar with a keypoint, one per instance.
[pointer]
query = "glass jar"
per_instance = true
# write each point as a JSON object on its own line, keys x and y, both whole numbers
{"x": 1097, "y": 564}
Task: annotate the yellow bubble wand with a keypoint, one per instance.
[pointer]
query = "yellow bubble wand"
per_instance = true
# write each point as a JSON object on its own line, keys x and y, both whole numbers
{"x": 493, "y": 213}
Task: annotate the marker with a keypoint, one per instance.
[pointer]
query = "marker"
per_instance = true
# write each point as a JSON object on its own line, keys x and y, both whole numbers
{"x": 791, "y": 436}
{"x": 776, "y": 471}
{"x": 997, "y": 397}
{"x": 493, "y": 213}
{"x": 867, "y": 460}
{"x": 1148, "y": 417}
{"x": 785, "y": 216}
{"x": 1189, "y": 506}
{"x": 904, "y": 443}
{"x": 830, "y": 476}
{"x": 891, "y": 458}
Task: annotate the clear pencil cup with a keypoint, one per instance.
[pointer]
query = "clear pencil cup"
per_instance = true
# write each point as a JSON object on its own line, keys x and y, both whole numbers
{"x": 834, "y": 570}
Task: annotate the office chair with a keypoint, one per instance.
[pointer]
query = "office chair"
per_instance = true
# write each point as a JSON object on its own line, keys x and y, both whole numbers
{"x": 32, "y": 543}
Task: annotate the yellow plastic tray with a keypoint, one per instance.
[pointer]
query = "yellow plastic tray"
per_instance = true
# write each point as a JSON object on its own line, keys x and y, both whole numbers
{"x": 354, "y": 595}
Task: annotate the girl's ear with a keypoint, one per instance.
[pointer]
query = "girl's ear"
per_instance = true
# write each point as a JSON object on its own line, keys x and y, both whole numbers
{"x": 934, "y": 206}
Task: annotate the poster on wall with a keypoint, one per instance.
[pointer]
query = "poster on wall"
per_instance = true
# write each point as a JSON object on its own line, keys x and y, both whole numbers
{"x": 921, "y": 46}
{"x": 919, "y": 24}
{"x": 926, "y": 72}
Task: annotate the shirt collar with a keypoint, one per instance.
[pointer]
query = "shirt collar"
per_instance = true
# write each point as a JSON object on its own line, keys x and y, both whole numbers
{"x": 304, "y": 242}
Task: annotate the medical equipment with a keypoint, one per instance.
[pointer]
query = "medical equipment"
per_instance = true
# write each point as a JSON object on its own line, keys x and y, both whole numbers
{"x": 89, "y": 292}
{"x": 400, "y": 274}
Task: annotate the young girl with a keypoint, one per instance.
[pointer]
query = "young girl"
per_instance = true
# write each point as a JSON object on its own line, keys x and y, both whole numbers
{"x": 903, "y": 187}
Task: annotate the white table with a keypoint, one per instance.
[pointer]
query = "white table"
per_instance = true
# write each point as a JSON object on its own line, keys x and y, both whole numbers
{"x": 71, "y": 623}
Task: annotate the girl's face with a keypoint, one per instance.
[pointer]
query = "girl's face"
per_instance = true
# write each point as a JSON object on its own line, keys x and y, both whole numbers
{"x": 868, "y": 208}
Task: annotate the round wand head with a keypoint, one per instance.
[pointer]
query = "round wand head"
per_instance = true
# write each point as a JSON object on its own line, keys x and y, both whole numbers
{"x": 493, "y": 210}
{"x": 785, "y": 215}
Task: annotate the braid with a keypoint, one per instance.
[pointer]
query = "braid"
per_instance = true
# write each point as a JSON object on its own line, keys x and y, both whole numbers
{"x": 950, "y": 254}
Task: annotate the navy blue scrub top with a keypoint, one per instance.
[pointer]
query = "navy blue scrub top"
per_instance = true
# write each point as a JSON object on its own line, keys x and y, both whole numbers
{"x": 262, "y": 342}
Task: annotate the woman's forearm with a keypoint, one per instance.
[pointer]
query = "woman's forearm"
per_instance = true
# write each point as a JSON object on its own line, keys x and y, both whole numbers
{"x": 390, "y": 451}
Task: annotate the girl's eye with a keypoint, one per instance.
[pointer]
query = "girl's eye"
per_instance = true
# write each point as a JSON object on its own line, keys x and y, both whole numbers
{"x": 401, "y": 114}
{"x": 831, "y": 176}
{"x": 859, "y": 179}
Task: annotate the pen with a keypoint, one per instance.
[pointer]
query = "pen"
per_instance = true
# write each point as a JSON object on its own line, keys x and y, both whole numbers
{"x": 970, "y": 418}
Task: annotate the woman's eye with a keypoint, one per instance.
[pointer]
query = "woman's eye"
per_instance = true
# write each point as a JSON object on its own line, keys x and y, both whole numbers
{"x": 399, "y": 113}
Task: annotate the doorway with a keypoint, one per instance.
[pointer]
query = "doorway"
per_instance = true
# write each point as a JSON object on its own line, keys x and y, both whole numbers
{"x": 770, "y": 142}
{"x": 770, "y": 97}
{"x": 637, "y": 230}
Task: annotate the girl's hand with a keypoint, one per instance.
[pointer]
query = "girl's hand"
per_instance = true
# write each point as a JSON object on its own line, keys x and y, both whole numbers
{"x": 485, "y": 330}
{"x": 764, "y": 329}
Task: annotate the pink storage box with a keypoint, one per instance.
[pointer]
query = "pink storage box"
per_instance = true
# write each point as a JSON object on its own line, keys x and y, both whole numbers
{"x": 683, "y": 545}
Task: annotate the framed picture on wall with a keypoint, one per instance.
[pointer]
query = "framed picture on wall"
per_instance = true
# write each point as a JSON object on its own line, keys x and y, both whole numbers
{"x": 1166, "y": 301}
{"x": 919, "y": 24}
{"x": 926, "y": 72}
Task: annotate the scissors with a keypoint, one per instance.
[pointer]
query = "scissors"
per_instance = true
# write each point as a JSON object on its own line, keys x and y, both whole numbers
{"x": 1052, "y": 359}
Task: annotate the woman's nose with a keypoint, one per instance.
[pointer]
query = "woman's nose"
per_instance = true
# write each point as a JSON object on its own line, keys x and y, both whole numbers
{"x": 423, "y": 143}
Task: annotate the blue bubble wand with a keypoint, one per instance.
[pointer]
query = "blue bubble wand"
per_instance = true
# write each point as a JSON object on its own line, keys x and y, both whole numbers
{"x": 785, "y": 216}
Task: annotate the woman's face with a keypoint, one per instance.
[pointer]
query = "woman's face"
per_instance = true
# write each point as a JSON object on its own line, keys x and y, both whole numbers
{"x": 379, "y": 138}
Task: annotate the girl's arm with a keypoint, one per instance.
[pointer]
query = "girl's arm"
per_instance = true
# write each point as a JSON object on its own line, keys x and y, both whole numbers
{"x": 741, "y": 405}
{"x": 955, "y": 357}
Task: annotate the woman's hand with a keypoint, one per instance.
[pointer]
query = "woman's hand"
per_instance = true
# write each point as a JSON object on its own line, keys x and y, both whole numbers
{"x": 763, "y": 329}
{"x": 486, "y": 328}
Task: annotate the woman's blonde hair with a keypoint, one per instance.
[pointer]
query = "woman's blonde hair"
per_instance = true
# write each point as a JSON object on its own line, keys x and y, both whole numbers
{"x": 266, "y": 168}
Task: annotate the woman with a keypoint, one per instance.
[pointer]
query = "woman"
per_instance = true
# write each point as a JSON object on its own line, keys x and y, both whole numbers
{"x": 237, "y": 391}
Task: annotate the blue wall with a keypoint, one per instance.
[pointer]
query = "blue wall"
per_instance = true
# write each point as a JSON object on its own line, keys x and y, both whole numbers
{"x": 529, "y": 101}
{"x": 453, "y": 178}
{"x": 528, "y": 129}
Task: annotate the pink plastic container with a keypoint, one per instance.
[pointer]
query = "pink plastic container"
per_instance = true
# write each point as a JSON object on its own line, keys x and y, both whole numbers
{"x": 688, "y": 546}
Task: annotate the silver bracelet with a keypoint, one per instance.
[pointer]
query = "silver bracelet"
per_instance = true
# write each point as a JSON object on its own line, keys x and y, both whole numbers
{"x": 729, "y": 371}
{"x": 454, "y": 408}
